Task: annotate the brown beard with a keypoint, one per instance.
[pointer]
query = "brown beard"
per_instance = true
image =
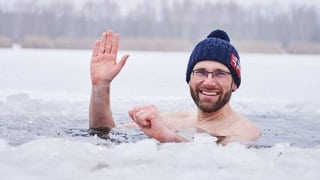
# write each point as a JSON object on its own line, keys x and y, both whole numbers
{"x": 213, "y": 107}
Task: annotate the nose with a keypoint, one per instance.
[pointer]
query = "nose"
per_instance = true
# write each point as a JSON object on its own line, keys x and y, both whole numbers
{"x": 209, "y": 79}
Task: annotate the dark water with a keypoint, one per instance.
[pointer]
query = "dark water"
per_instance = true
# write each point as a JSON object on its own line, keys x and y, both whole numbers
{"x": 19, "y": 129}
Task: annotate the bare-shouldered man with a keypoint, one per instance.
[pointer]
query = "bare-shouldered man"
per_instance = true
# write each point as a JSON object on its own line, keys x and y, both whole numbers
{"x": 213, "y": 74}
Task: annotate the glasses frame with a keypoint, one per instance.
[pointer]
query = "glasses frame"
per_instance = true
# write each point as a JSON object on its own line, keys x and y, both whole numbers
{"x": 218, "y": 75}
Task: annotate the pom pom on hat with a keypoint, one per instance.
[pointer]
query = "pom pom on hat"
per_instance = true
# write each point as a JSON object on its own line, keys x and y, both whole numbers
{"x": 219, "y": 34}
{"x": 216, "y": 47}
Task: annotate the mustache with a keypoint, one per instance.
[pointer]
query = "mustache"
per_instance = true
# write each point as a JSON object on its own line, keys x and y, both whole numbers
{"x": 207, "y": 106}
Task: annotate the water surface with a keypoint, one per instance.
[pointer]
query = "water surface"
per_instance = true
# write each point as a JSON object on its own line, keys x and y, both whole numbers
{"x": 44, "y": 97}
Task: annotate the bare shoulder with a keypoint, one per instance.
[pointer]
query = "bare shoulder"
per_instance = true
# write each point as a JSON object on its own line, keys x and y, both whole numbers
{"x": 180, "y": 120}
{"x": 248, "y": 129}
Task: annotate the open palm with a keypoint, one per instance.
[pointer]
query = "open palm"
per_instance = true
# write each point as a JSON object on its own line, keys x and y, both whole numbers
{"x": 104, "y": 66}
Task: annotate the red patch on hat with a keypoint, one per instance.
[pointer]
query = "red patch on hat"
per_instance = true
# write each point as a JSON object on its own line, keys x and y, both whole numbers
{"x": 235, "y": 64}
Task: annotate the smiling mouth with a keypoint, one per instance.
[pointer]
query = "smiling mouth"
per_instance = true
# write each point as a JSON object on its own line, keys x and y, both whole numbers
{"x": 208, "y": 93}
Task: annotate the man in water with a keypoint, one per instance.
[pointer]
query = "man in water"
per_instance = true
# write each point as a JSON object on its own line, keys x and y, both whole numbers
{"x": 213, "y": 74}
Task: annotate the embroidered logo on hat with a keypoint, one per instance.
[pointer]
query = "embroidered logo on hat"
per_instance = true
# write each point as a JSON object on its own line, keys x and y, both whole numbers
{"x": 235, "y": 64}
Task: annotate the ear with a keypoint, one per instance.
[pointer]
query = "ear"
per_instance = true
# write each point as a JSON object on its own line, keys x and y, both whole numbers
{"x": 234, "y": 86}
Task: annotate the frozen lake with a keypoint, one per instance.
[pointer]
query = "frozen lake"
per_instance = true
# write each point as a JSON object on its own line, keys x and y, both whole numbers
{"x": 44, "y": 97}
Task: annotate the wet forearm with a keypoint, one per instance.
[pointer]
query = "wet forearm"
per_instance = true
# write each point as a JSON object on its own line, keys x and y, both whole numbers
{"x": 100, "y": 111}
{"x": 172, "y": 137}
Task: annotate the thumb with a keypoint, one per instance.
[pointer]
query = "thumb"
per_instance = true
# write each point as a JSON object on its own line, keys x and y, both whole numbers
{"x": 123, "y": 61}
{"x": 131, "y": 114}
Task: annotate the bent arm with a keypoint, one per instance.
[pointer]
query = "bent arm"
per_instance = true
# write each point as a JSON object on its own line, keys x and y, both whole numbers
{"x": 152, "y": 124}
{"x": 171, "y": 137}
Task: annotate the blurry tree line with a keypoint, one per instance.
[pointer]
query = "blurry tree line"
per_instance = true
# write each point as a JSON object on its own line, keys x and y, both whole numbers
{"x": 178, "y": 19}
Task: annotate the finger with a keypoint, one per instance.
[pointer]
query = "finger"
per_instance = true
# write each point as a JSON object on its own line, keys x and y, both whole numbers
{"x": 138, "y": 114}
{"x": 150, "y": 108}
{"x": 123, "y": 61}
{"x": 102, "y": 43}
{"x": 137, "y": 108}
{"x": 145, "y": 123}
{"x": 108, "y": 44}
{"x": 95, "y": 49}
{"x": 131, "y": 114}
{"x": 135, "y": 111}
{"x": 142, "y": 119}
{"x": 115, "y": 44}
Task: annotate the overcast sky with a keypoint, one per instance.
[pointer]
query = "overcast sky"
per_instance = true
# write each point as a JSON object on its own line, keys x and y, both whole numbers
{"x": 127, "y": 5}
{"x": 133, "y": 2}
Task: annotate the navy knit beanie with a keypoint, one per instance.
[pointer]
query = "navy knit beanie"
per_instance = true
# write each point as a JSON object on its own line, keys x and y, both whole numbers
{"x": 216, "y": 47}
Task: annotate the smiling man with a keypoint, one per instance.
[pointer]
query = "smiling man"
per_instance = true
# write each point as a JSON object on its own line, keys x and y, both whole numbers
{"x": 213, "y": 74}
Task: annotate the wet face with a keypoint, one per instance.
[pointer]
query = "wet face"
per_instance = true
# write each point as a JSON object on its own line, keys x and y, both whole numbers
{"x": 212, "y": 92}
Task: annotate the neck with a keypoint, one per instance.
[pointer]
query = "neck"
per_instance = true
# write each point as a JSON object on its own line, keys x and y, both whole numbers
{"x": 217, "y": 116}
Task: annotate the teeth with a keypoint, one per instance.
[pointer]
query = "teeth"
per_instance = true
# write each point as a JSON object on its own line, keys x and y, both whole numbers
{"x": 209, "y": 93}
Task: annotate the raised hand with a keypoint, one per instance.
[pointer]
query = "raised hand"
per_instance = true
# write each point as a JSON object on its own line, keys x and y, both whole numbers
{"x": 104, "y": 66}
{"x": 103, "y": 69}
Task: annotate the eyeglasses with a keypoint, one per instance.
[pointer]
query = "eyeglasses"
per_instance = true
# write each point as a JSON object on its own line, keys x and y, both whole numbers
{"x": 219, "y": 76}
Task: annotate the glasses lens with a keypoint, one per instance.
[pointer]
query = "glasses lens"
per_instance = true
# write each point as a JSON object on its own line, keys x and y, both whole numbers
{"x": 219, "y": 76}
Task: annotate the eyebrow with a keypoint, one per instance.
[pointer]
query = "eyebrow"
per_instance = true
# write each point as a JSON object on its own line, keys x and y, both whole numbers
{"x": 218, "y": 69}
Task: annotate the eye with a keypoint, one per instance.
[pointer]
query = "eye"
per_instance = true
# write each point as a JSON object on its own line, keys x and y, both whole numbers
{"x": 201, "y": 73}
{"x": 220, "y": 73}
